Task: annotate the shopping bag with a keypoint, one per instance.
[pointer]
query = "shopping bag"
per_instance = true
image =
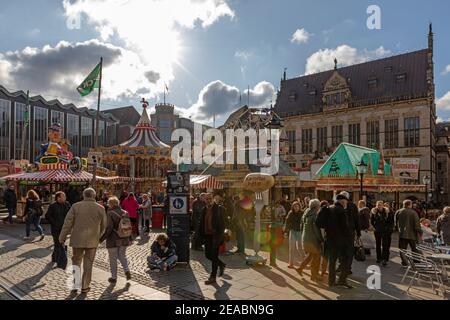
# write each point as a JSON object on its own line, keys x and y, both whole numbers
{"x": 368, "y": 240}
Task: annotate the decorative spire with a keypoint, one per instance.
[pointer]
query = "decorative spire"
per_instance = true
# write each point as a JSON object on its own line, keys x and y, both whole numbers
{"x": 284, "y": 74}
{"x": 335, "y": 64}
{"x": 144, "y": 103}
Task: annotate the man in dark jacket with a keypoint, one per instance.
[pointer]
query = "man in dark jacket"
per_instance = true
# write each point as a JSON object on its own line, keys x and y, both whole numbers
{"x": 212, "y": 227}
{"x": 197, "y": 208}
{"x": 10, "y": 199}
{"x": 409, "y": 228}
{"x": 352, "y": 214}
{"x": 56, "y": 214}
{"x": 339, "y": 239}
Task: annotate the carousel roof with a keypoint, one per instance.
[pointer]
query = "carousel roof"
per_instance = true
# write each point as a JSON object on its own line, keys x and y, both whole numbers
{"x": 144, "y": 135}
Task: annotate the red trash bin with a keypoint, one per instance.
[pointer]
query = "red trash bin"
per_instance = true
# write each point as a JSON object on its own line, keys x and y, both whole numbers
{"x": 157, "y": 218}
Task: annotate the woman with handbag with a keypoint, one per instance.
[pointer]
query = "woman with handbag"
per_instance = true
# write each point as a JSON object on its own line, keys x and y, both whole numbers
{"x": 32, "y": 215}
{"x": 383, "y": 221}
{"x": 292, "y": 227}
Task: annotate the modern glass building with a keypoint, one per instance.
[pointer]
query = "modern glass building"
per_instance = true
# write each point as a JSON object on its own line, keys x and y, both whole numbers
{"x": 78, "y": 126}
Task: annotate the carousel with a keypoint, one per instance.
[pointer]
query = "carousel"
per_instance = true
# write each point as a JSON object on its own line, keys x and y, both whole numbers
{"x": 141, "y": 163}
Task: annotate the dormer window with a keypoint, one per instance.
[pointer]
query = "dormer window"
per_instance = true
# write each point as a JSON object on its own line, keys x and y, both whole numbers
{"x": 313, "y": 93}
{"x": 373, "y": 83}
{"x": 389, "y": 69}
{"x": 306, "y": 85}
{"x": 401, "y": 77}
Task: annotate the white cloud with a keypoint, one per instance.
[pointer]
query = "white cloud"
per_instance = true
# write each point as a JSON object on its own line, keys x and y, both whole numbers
{"x": 301, "y": 36}
{"x": 57, "y": 71}
{"x": 446, "y": 70}
{"x": 149, "y": 29}
{"x": 323, "y": 59}
{"x": 443, "y": 103}
{"x": 220, "y": 99}
{"x": 439, "y": 120}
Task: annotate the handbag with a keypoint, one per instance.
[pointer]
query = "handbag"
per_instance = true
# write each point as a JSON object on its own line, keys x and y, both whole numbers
{"x": 368, "y": 240}
{"x": 360, "y": 254}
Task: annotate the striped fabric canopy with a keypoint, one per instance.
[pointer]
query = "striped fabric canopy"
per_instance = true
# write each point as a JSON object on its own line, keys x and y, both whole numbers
{"x": 56, "y": 176}
{"x": 203, "y": 182}
{"x": 144, "y": 135}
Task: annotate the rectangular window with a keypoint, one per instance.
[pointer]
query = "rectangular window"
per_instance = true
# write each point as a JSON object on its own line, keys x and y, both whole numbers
{"x": 101, "y": 132}
{"x": 354, "y": 134}
{"x": 86, "y": 135}
{"x": 322, "y": 137}
{"x": 373, "y": 134}
{"x": 164, "y": 123}
{"x": 40, "y": 129}
{"x": 165, "y": 136}
{"x": 111, "y": 134}
{"x": 391, "y": 134}
{"x": 21, "y": 131}
{"x": 337, "y": 135}
{"x": 58, "y": 118}
{"x": 412, "y": 132}
{"x": 5, "y": 128}
{"x": 292, "y": 141}
{"x": 73, "y": 132}
{"x": 307, "y": 141}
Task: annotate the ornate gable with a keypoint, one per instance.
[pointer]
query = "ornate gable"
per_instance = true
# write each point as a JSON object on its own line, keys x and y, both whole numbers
{"x": 336, "y": 92}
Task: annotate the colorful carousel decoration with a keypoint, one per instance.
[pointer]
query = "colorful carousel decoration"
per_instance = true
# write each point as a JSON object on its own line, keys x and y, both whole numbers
{"x": 142, "y": 161}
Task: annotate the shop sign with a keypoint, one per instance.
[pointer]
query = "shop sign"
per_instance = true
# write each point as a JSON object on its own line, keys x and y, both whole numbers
{"x": 406, "y": 169}
{"x": 258, "y": 182}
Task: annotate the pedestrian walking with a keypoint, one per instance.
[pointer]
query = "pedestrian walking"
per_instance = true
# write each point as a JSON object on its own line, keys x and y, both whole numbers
{"x": 212, "y": 227}
{"x": 292, "y": 228}
{"x": 130, "y": 205}
{"x": 312, "y": 240}
{"x": 367, "y": 238}
{"x": 339, "y": 240}
{"x": 197, "y": 208}
{"x": 407, "y": 221}
{"x": 56, "y": 214}
{"x": 443, "y": 226}
{"x": 10, "y": 199}
{"x": 146, "y": 207}
{"x": 86, "y": 224}
{"x": 383, "y": 222}
{"x": 118, "y": 238}
{"x": 163, "y": 256}
{"x": 239, "y": 225}
{"x": 32, "y": 215}
{"x": 352, "y": 215}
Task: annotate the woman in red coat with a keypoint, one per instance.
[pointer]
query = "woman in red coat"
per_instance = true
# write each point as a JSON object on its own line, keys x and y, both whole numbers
{"x": 131, "y": 206}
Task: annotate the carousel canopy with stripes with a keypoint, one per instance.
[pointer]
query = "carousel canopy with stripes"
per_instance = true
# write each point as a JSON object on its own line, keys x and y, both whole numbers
{"x": 54, "y": 176}
{"x": 144, "y": 135}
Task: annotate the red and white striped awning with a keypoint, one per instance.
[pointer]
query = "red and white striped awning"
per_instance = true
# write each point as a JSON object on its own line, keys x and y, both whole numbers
{"x": 203, "y": 182}
{"x": 54, "y": 176}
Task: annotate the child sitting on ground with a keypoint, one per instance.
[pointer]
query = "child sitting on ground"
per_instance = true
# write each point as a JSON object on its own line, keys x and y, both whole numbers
{"x": 163, "y": 256}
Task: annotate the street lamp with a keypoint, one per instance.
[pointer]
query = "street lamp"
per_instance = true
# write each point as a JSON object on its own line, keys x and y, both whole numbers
{"x": 426, "y": 181}
{"x": 362, "y": 170}
{"x": 274, "y": 125}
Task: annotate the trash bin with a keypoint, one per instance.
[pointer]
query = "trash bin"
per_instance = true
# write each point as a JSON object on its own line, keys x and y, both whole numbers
{"x": 157, "y": 217}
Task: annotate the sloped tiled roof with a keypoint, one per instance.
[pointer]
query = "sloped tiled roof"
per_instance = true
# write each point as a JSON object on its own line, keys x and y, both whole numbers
{"x": 413, "y": 64}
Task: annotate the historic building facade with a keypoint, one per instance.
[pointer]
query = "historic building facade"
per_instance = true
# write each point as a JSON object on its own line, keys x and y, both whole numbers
{"x": 387, "y": 104}
{"x": 443, "y": 162}
{"x": 78, "y": 125}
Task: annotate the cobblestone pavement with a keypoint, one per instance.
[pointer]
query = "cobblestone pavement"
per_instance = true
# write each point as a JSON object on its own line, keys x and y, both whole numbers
{"x": 27, "y": 266}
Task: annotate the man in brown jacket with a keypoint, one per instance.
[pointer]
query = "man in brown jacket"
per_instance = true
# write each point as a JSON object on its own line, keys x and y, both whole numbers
{"x": 409, "y": 229}
{"x": 86, "y": 223}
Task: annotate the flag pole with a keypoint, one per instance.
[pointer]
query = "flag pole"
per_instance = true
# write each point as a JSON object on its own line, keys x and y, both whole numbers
{"x": 97, "y": 124}
{"x": 25, "y": 126}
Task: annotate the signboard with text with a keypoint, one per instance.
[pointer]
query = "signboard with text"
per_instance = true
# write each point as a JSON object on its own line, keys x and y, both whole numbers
{"x": 406, "y": 169}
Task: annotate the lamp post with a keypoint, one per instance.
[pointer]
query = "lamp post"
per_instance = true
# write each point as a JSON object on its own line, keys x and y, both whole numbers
{"x": 362, "y": 170}
{"x": 426, "y": 181}
{"x": 274, "y": 124}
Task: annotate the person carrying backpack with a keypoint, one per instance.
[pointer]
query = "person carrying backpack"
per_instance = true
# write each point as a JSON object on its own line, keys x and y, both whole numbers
{"x": 118, "y": 238}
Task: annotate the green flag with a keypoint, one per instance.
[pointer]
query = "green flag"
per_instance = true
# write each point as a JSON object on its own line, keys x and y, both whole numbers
{"x": 91, "y": 82}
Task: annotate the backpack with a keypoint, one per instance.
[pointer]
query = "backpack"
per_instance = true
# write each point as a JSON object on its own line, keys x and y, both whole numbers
{"x": 124, "y": 229}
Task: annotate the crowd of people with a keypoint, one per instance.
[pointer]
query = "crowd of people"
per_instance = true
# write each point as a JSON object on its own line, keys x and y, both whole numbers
{"x": 321, "y": 234}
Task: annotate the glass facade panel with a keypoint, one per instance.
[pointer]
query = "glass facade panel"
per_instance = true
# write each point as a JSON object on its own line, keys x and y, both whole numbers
{"x": 5, "y": 128}
{"x": 20, "y": 126}
{"x": 40, "y": 129}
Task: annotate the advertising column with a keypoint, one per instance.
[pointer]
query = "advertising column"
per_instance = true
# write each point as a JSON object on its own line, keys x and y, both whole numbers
{"x": 178, "y": 222}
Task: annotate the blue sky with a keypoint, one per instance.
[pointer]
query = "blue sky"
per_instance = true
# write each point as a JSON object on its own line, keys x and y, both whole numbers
{"x": 206, "y": 51}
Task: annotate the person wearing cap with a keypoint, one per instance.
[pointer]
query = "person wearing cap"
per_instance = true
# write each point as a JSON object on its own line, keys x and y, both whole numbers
{"x": 339, "y": 237}
{"x": 352, "y": 214}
